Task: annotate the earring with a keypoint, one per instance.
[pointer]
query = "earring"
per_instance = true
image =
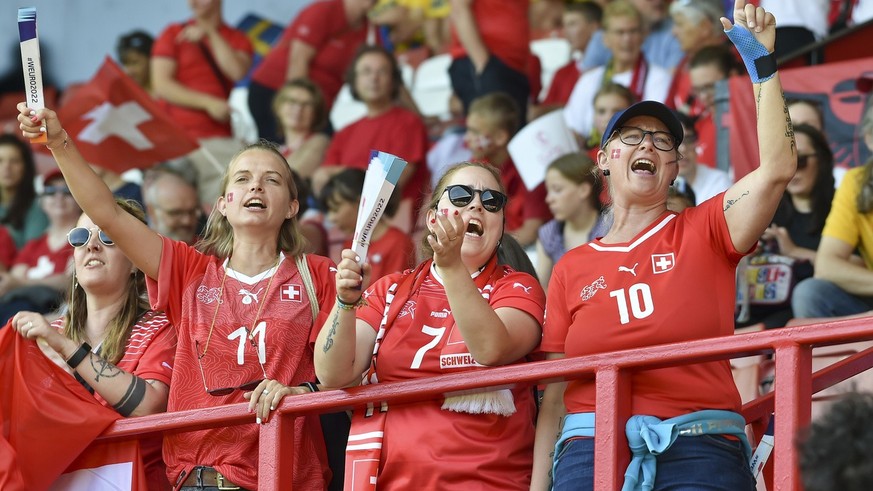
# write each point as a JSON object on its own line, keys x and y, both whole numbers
{"x": 605, "y": 172}
{"x": 673, "y": 182}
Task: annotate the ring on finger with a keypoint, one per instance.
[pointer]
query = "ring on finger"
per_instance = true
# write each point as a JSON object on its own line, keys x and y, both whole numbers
{"x": 266, "y": 391}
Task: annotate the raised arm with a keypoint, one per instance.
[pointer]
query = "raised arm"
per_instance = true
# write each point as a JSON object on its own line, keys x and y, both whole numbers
{"x": 128, "y": 394}
{"x": 345, "y": 344}
{"x": 136, "y": 240}
{"x": 749, "y": 204}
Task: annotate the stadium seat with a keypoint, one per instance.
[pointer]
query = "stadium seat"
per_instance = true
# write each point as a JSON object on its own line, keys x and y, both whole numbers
{"x": 346, "y": 109}
{"x": 553, "y": 54}
{"x": 432, "y": 87}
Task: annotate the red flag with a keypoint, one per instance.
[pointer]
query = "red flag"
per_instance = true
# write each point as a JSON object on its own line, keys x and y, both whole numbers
{"x": 47, "y": 417}
{"x": 118, "y": 126}
{"x": 831, "y": 87}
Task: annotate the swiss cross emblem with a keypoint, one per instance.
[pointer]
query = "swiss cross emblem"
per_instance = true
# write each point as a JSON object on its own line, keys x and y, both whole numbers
{"x": 661, "y": 263}
{"x": 291, "y": 293}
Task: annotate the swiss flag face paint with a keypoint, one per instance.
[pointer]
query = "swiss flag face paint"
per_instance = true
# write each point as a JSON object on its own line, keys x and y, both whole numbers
{"x": 230, "y": 197}
{"x": 616, "y": 153}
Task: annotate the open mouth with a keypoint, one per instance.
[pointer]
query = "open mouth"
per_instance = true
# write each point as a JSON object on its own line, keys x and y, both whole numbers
{"x": 255, "y": 203}
{"x": 474, "y": 227}
{"x": 94, "y": 262}
{"x": 643, "y": 166}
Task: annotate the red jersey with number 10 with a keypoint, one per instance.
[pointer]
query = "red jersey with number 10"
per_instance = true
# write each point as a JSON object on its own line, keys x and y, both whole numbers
{"x": 673, "y": 282}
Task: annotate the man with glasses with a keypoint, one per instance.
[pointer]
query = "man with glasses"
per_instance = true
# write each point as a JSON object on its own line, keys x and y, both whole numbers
{"x": 171, "y": 204}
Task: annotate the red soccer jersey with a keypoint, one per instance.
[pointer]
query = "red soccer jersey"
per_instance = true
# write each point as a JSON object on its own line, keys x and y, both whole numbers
{"x": 398, "y": 131}
{"x": 505, "y": 30}
{"x": 674, "y": 282}
{"x": 194, "y": 70}
{"x": 492, "y": 451}
{"x": 562, "y": 84}
{"x": 323, "y": 26}
{"x": 41, "y": 261}
{"x": 7, "y": 248}
{"x": 189, "y": 289}
{"x": 522, "y": 204}
{"x": 394, "y": 252}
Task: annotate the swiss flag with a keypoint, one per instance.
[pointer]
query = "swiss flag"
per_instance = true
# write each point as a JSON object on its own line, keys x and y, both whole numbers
{"x": 118, "y": 126}
{"x": 47, "y": 420}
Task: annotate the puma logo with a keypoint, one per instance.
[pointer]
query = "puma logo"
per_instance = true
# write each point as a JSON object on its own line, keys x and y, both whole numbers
{"x": 629, "y": 270}
{"x": 519, "y": 285}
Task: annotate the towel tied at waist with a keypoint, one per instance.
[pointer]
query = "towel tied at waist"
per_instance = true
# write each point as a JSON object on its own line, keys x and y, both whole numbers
{"x": 649, "y": 436}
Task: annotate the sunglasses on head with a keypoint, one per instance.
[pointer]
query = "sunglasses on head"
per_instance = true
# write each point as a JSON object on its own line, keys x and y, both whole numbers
{"x": 52, "y": 190}
{"x": 80, "y": 236}
{"x": 461, "y": 195}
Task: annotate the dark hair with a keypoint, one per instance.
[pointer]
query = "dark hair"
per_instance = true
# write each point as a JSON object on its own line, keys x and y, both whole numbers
{"x": 396, "y": 77}
{"x": 139, "y": 41}
{"x": 815, "y": 105}
{"x": 835, "y": 450}
{"x": 347, "y": 185}
{"x": 500, "y": 108}
{"x": 511, "y": 253}
{"x": 589, "y": 9}
{"x": 25, "y": 193}
{"x": 319, "y": 106}
{"x": 822, "y": 193}
{"x": 719, "y": 55}
{"x": 579, "y": 168}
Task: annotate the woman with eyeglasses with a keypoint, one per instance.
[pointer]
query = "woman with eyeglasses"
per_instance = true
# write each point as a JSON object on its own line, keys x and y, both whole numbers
{"x": 659, "y": 277}
{"x": 40, "y": 273}
{"x": 109, "y": 338}
{"x": 244, "y": 302}
{"x": 458, "y": 311}
{"x": 301, "y": 115}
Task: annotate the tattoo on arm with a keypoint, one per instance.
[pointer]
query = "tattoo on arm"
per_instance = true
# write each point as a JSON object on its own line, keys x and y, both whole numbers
{"x": 789, "y": 127}
{"x": 328, "y": 343}
{"x": 732, "y": 202}
{"x": 132, "y": 398}
{"x": 103, "y": 368}
{"x": 758, "y": 101}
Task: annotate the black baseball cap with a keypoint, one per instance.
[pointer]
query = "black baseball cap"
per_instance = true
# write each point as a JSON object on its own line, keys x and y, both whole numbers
{"x": 645, "y": 108}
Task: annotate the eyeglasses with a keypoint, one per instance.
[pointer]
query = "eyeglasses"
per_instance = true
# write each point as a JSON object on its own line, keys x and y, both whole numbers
{"x": 229, "y": 390}
{"x": 803, "y": 160}
{"x": 53, "y": 190}
{"x": 461, "y": 195}
{"x": 297, "y": 102}
{"x": 177, "y": 213}
{"x": 80, "y": 236}
{"x": 631, "y": 135}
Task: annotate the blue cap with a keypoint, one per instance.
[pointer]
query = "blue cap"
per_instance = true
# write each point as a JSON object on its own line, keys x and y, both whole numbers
{"x": 645, "y": 108}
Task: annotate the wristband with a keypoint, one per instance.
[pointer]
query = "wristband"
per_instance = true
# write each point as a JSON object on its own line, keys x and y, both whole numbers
{"x": 350, "y": 306}
{"x": 312, "y": 386}
{"x": 80, "y": 354}
{"x": 760, "y": 63}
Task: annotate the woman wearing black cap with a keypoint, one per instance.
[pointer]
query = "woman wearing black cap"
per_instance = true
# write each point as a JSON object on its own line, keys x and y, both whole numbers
{"x": 659, "y": 277}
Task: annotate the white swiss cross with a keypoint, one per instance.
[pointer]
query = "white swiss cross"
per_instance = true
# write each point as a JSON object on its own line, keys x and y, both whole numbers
{"x": 291, "y": 293}
{"x": 121, "y": 121}
{"x": 661, "y": 263}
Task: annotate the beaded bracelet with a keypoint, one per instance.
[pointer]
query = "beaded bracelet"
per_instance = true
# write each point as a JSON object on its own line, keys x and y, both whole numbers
{"x": 350, "y": 306}
{"x": 80, "y": 354}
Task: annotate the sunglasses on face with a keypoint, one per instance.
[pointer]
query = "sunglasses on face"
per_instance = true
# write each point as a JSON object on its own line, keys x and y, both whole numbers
{"x": 461, "y": 195}
{"x": 80, "y": 236}
{"x": 803, "y": 161}
{"x": 631, "y": 135}
{"x": 53, "y": 190}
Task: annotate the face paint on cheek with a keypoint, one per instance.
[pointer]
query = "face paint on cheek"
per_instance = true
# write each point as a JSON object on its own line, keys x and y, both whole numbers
{"x": 616, "y": 153}
{"x": 230, "y": 197}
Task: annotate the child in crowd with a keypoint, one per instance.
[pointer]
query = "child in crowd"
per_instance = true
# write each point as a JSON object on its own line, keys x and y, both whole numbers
{"x": 610, "y": 99}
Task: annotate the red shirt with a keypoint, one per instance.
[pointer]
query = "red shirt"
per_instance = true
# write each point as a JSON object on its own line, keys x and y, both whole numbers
{"x": 41, "y": 261}
{"x": 562, "y": 84}
{"x": 188, "y": 288}
{"x": 522, "y": 204}
{"x": 707, "y": 153}
{"x": 324, "y": 26}
{"x": 7, "y": 248}
{"x": 504, "y": 28}
{"x": 398, "y": 131}
{"x": 463, "y": 451}
{"x": 194, "y": 71}
{"x": 674, "y": 282}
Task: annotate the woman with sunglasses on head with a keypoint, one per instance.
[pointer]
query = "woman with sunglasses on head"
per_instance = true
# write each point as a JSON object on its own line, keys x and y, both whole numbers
{"x": 109, "y": 339}
{"x": 659, "y": 277}
{"x": 244, "y": 304}
{"x": 458, "y": 311}
{"x": 40, "y": 273}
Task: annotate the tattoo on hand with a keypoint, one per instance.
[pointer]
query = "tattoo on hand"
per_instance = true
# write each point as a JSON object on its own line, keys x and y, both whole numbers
{"x": 328, "y": 343}
{"x": 731, "y": 202}
{"x": 103, "y": 368}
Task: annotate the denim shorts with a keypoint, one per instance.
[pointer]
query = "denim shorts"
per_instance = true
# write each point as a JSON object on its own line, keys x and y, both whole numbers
{"x": 694, "y": 463}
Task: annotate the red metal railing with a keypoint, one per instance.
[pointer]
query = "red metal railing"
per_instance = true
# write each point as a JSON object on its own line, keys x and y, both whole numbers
{"x": 794, "y": 388}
